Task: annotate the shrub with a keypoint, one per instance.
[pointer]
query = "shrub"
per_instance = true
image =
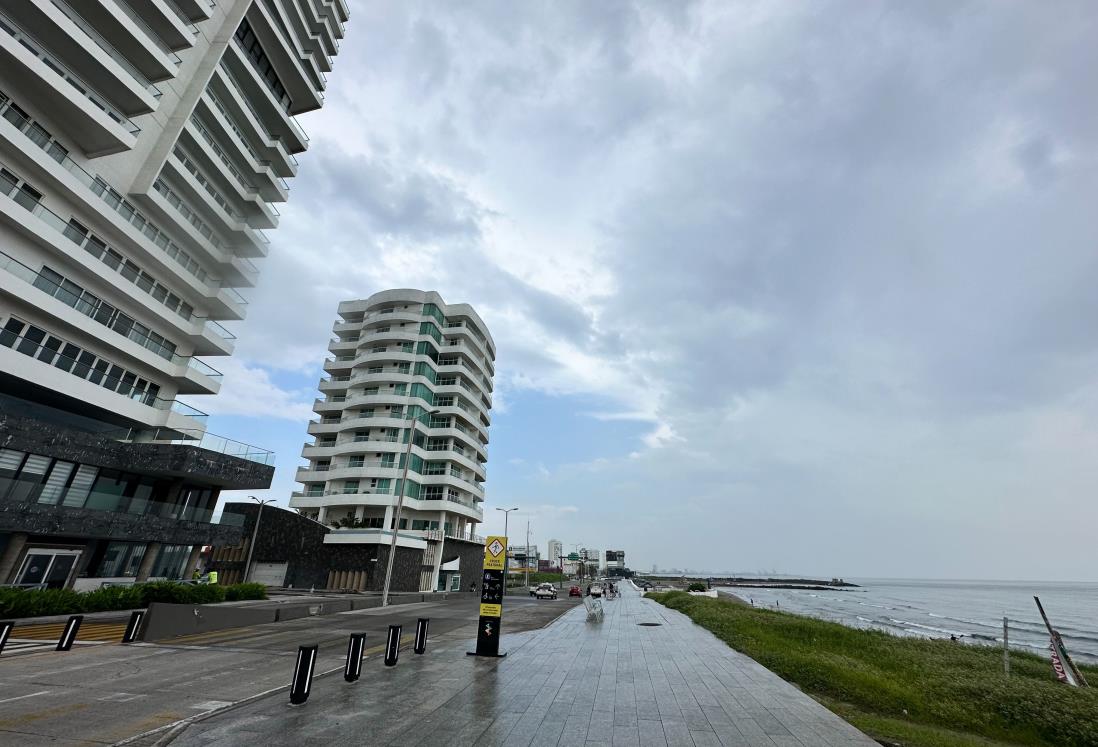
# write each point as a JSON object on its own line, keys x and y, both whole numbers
{"x": 168, "y": 592}
{"x": 111, "y": 598}
{"x": 38, "y": 602}
{"x": 696, "y": 586}
{"x": 238, "y": 592}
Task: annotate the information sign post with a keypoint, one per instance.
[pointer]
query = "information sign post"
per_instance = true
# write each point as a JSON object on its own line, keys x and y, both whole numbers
{"x": 491, "y": 598}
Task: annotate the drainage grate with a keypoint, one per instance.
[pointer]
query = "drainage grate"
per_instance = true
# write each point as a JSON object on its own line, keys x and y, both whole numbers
{"x": 650, "y": 625}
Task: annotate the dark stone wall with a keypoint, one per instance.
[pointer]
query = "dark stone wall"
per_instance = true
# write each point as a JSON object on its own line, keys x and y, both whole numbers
{"x": 198, "y": 466}
{"x": 287, "y": 537}
{"x": 61, "y": 521}
{"x": 470, "y": 557}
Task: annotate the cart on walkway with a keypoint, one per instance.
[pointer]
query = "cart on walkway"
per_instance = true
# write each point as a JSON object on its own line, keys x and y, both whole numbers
{"x": 594, "y": 609}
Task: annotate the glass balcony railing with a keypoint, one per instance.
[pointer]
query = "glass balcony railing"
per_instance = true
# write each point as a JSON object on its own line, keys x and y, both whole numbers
{"x": 36, "y": 48}
{"x": 199, "y": 439}
{"x": 123, "y": 386}
{"x": 152, "y": 35}
{"x": 107, "y": 47}
{"x": 92, "y": 310}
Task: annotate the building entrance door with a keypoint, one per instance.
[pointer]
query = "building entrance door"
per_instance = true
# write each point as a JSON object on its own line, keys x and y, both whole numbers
{"x": 49, "y": 567}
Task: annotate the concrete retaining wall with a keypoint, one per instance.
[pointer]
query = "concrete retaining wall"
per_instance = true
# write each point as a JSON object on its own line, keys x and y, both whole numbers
{"x": 166, "y": 621}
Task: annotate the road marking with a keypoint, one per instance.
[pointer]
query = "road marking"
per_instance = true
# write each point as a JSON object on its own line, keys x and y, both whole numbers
{"x": 121, "y": 697}
{"x": 28, "y": 695}
{"x": 211, "y": 705}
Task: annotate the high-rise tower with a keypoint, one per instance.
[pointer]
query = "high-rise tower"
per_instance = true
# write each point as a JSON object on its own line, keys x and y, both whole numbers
{"x": 142, "y": 146}
{"x": 405, "y": 365}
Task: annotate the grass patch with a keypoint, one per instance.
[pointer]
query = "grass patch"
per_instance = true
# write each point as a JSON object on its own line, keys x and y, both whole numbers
{"x": 905, "y": 690}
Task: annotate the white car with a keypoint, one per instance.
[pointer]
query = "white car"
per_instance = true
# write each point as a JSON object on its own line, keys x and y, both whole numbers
{"x": 545, "y": 591}
{"x": 596, "y": 590}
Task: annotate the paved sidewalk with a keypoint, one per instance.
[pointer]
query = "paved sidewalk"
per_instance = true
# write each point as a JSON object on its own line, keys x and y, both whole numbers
{"x": 620, "y": 682}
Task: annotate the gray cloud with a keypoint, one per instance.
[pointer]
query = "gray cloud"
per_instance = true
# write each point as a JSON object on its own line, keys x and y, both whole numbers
{"x": 844, "y": 253}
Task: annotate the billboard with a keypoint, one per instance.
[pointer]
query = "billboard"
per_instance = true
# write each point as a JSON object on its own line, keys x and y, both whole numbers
{"x": 615, "y": 556}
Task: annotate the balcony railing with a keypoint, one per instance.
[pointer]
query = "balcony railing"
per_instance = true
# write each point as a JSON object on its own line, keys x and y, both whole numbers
{"x": 152, "y": 35}
{"x": 197, "y": 438}
{"x": 107, "y": 47}
{"x": 92, "y": 311}
{"x": 36, "y": 48}
{"x": 51, "y": 356}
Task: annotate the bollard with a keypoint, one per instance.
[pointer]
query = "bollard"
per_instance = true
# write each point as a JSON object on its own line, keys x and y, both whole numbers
{"x": 5, "y": 632}
{"x": 354, "y": 657}
{"x": 68, "y": 635}
{"x": 392, "y": 646}
{"x": 303, "y": 674}
{"x": 133, "y": 626}
{"x": 421, "y": 635}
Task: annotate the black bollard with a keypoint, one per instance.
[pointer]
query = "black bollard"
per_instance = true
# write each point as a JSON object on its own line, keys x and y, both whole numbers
{"x": 421, "y": 635}
{"x": 303, "y": 674}
{"x": 5, "y": 632}
{"x": 354, "y": 657}
{"x": 392, "y": 646}
{"x": 68, "y": 635}
{"x": 133, "y": 626}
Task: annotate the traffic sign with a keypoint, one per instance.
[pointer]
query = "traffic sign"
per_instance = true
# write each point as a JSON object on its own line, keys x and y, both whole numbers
{"x": 573, "y": 556}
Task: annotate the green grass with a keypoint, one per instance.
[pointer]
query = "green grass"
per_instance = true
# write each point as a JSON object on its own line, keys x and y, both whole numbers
{"x": 925, "y": 693}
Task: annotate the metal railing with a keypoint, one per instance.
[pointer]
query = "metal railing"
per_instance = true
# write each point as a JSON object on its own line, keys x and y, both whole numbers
{"x": 152, "y": 35}
{"x": 198, "y": 438}
{"x": 36, "y": 48}
{"x": 51, "y": 357}
{"x": 107, "y": 47}
{"x": 91, "y": 310}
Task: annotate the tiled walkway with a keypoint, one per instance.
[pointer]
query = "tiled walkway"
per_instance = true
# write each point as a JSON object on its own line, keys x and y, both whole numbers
{"x": 574, "y": 683}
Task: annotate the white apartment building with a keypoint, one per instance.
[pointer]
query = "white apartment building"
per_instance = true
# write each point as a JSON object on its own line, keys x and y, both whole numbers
{"x": 556, "y": 551}
{"x": 143, "y": 147}
{"x": 410, "y": 376}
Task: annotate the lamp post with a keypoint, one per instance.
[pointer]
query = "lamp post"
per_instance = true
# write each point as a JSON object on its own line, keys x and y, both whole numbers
{"x": 527, "y": 556}
{"x": 400, "y": 507}
{"x": 255, "y": 533}
{"x": 506, "y": 512}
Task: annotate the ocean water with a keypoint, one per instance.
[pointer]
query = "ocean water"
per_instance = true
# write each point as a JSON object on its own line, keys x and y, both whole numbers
{"x": 972, "y": 610}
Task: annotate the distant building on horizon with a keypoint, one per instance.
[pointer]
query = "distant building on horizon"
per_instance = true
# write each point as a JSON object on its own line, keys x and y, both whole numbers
{"x": 409, "y": 374}
{"x": 556, "y": 550}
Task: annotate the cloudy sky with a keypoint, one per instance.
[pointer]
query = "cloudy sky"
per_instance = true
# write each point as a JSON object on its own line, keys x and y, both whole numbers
{"x": 805, "y": 287}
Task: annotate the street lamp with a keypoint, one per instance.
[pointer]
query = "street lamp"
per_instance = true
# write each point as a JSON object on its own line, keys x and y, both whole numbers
{"x": 506, "y": 512}
{"x": 400, "y": 507}
{"x": 255, "y": 533}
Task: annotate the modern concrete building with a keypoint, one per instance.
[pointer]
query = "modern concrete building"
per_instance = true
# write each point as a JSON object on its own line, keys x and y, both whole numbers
{"x": 409, "y": 394}
{"x": 143, "y": 144}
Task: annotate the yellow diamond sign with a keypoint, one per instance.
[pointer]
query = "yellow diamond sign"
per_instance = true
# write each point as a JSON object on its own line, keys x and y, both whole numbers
{"x": 495, "y": 553}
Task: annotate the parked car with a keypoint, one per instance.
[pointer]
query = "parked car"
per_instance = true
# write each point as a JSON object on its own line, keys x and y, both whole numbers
{"x": 575, "y": 592}
{"x": 545, "y": 591}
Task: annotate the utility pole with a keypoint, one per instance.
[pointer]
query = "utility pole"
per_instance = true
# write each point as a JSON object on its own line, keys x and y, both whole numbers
{"x": 255, "y": 533}
{"x": 400, "y": 506}
{"x": 527, "y": 555}
{"x": 506, "y": 515}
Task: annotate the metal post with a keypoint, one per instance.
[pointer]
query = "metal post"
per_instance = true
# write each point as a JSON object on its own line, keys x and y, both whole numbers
{"x": 507, "y": 539}
{"x": 303, "y": 674}
{"x": 1006, "y": 651}
{"x": 255, "y": 533}
{"x": 400, "y": 508}
{"x": 392, "y": 646}
{"x": 5, "y": 632}
{"x": 421, "y": 635}
{"x": 527, "y": 556}
{"x": 353, "y": 667}
{"x": 134, "y": 625}
{"x": 64, "y": 643}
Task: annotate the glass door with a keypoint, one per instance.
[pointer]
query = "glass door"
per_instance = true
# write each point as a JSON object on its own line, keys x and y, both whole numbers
{"x": 48, "y": 567}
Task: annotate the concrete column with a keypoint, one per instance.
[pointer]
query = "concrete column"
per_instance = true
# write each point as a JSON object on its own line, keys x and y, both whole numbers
{"x": 192, "y": 562}
{"x": 389, "y": 511}
{"x": 16, "y": 542}
{"x": 322, "y": 515}
{"x": 147, "y": 560}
